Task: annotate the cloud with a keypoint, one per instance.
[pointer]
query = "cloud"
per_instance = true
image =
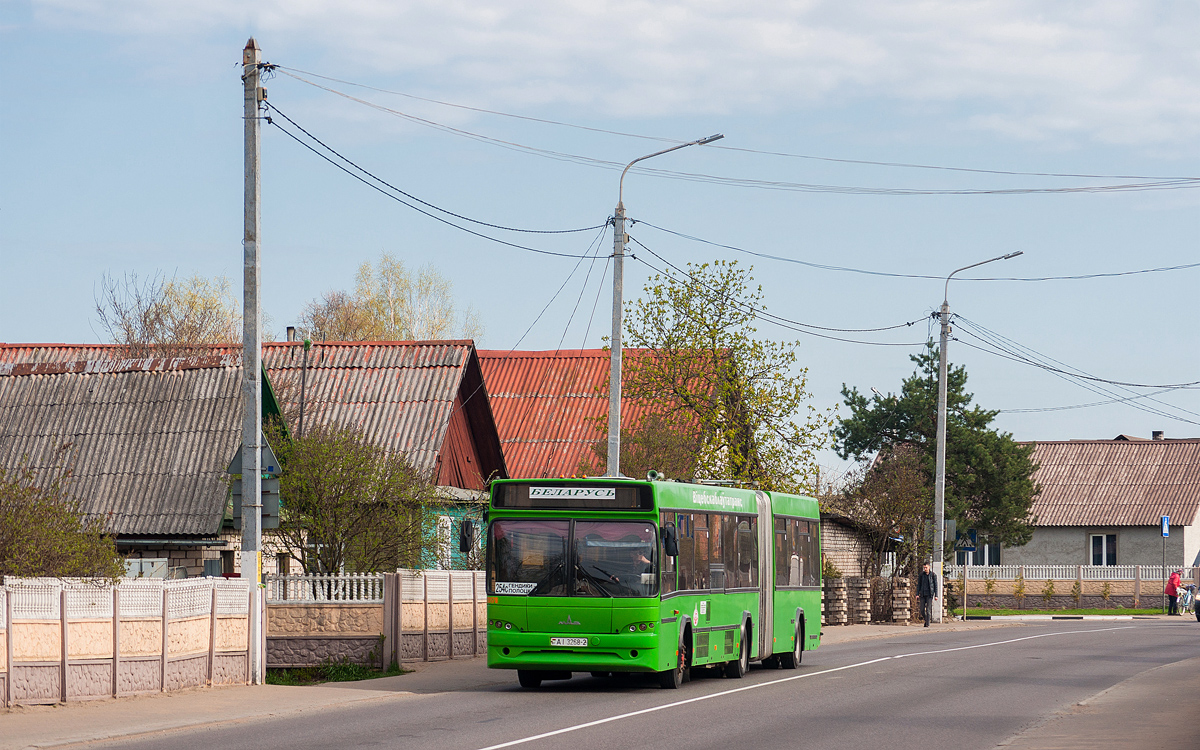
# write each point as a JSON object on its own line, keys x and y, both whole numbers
{"x": 1116, "y": 71}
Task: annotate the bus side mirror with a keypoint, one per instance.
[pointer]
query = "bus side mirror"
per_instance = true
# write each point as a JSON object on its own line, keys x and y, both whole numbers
{"x": 670, "y": 541}
{"x": 466, "y": 535}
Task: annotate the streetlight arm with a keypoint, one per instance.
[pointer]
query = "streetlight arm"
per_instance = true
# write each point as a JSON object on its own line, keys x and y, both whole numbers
{"x": 700, "y": 142}
{"x": 946, "y": 293}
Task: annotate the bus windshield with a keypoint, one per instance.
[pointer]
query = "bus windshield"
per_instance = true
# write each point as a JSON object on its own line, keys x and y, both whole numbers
{"x": 607, "y": 558}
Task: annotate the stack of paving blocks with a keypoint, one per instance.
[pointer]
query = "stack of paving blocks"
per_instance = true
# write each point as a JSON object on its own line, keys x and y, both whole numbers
{"x": 859, "y": 596}
{"x": 833, "y": 605}
{"x": 901, "y": 600}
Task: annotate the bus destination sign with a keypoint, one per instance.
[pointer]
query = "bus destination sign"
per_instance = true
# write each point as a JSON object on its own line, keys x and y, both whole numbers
{"x": 591, "y": 493}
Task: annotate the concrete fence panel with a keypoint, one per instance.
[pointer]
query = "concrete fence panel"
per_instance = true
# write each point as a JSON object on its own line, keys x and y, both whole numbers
{"x": 85, "y": 639}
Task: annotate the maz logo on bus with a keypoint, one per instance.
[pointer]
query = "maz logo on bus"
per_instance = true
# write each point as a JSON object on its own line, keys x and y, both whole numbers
{"x": 594, "y": 492}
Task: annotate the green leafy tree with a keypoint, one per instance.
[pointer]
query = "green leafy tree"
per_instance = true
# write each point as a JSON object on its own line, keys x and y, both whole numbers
{"x": 348, "y": 505}
{"x": 989, "y": 476}
{"x": 45, "y": 532}
{"x": 721, "y": 401}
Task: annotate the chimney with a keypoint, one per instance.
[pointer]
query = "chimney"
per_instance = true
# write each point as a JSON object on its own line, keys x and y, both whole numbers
{"x": 291, "y": 333}
{"x": 1156, "y": 434}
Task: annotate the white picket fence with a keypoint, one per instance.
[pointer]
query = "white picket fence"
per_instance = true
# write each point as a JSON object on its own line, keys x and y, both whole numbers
{"x": 1066, "y": 572}
{"x": 364, "y": 588}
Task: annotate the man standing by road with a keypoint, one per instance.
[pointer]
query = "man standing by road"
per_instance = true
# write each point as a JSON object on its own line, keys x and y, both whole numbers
{"x": 927, "y": 589}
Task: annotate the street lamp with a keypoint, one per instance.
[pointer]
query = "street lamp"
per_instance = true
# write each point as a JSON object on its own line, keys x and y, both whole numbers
{"x": 614, "y": 374}
{"x": 939, "y": 491}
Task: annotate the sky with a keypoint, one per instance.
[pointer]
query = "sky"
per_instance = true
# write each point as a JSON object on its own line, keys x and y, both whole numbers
{"x": 121, "y": 152}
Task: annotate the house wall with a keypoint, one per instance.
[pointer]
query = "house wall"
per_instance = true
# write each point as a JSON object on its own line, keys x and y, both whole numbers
{"x": 844, "y": 548}
{"x": 190, "y": 558}
{"x": 1136, "y": 545}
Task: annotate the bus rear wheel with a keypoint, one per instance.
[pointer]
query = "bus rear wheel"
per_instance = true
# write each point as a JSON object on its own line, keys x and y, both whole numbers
{"x": 792, "y": 660}
{"x": 529, "y": 679}
{"x": 739, "y": 668}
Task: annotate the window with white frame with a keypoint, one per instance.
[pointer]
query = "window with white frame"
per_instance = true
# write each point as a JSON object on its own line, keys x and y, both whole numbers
{"x": 1104, "y": 549}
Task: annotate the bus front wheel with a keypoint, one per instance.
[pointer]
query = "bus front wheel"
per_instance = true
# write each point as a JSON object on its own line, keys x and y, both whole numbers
{"x": 673, "y": 679}
{"x": 529, "y": 679}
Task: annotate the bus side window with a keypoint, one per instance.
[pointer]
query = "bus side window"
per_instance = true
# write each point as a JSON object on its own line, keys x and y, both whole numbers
{"x": 729, "y": 556}
{"x": 716, "y": 560}
{"x": 687, "y": 552}
{"x": 667, "y": 583}
{"x": 747, "y": 550}
{"x": 700, "y": 521}
{"x": 783, "y": 552}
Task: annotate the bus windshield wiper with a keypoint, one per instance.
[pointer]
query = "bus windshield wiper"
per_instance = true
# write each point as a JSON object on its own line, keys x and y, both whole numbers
{"x": 597, "y": 582}
{"x": 545, "y": 580}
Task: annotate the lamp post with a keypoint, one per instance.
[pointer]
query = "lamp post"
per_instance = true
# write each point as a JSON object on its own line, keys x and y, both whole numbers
{"x": 613, "y": 468}
{"x": 939, "y": 491}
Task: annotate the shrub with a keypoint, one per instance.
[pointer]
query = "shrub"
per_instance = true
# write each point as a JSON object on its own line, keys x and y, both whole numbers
{"x": 1048, "y": 591}
{"x": 1019, "y": 589}
{"x": 1106, "y": 592}
{"x": 1077, "y": 591}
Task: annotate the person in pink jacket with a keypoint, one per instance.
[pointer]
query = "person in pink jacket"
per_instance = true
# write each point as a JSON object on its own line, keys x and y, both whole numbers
{"x": 1172, "y": 591}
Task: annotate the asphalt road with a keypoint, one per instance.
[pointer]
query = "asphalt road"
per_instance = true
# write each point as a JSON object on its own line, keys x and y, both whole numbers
{"x": 969, "y": 689}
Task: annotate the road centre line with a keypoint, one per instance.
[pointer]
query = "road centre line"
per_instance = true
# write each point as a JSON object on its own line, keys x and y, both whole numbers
{"x": 781, "y": 680}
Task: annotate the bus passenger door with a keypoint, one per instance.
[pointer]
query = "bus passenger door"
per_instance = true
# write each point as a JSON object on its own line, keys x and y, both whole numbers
{"x": 766, "y": 577}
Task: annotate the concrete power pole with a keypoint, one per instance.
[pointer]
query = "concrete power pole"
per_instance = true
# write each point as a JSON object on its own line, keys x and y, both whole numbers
{"x": 614, "y": 367}
{"x": 939, "y": 486}
{"x": 614, "y": 359}
{"x": 251, "y": 557}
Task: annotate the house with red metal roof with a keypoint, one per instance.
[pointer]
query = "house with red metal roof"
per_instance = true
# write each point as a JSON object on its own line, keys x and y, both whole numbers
{"x": 551, "y": 408}
{"x": 1101, "y": 502}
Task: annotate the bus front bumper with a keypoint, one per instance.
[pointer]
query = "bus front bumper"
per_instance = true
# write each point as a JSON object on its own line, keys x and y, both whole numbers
{"x": 605, "y": 652}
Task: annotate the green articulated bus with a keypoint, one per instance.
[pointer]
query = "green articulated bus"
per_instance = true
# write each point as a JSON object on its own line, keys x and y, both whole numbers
{"x": 609, "y": 575}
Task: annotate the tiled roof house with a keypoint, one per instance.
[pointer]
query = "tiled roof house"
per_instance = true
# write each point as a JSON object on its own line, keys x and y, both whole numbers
{"x": 1101, "y": 502}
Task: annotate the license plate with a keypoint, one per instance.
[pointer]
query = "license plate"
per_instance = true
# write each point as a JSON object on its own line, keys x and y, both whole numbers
{"x": 568, "y": 641}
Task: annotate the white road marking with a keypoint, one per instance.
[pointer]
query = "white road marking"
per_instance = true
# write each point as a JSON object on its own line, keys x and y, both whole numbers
{"x": 781, "y": 680}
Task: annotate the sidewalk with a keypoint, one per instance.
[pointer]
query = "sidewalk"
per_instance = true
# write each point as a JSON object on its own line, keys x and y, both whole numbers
{"x": 1135, "y": 703}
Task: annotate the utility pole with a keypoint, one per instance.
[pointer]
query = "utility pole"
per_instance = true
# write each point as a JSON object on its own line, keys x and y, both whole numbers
{"x": 613, "y": 468}
{"x": 939, "y": 487}
{"x": 251, "y": 556}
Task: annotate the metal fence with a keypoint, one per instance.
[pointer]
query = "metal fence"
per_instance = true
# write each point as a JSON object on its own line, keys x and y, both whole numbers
{"x": 1067, "y": 572}
{"x": 364, "y": 588}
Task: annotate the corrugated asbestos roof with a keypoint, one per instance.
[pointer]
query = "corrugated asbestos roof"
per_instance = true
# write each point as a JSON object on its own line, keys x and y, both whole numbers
{"x": 400, "y": 393}
{"x": 543, "y": 402}
{"x": 148, "y": 440}
{"x": 1117, "y": 482}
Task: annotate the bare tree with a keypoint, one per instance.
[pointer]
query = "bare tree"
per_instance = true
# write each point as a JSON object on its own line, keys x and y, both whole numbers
{"x": 891, "y": 499}
{"x": 168, "y": 318}
{"x": 390, "y": 303}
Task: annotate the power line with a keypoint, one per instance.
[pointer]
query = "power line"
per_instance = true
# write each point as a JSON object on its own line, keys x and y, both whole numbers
{"x": 418, "y": 209}
{"x": 1080, "y": 374}
{"x": 641, "y": 136}
{"x": 887, "y": 274}
{"x": 410, "y": 196}
{"x": 1153, "y": 184}
{"x": 1085, "y": 406}
{"x": 782, "y": 322}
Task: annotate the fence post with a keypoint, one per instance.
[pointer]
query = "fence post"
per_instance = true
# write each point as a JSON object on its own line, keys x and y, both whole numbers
{"x": 116, "y": 667}
{"x": 62, "y": 618}
{"x": 389, "y": 617}
{"x": 166, "y": 636}
{"x": 8, "y": 646}
{"x": 425, "y": 597}
{"x": 1137, "y": 586}
{"x": 474, "y": 614}
{"x": 212, "y": 635}
{"x": 450, "y": 611}
{"x": 249, "y": 635}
